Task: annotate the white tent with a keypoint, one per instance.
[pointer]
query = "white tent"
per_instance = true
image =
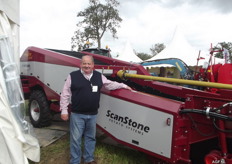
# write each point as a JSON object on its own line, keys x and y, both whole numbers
{"x": 16, "y": 142}
{"x": 128, "y": 54}
{"x": 179, "y": 48}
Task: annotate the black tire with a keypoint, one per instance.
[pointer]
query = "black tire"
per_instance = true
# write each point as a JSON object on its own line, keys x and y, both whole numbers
{"x": 39, "y": 111}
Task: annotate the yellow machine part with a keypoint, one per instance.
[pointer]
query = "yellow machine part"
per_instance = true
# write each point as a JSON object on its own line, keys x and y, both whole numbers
{"x": 122, "y": 74}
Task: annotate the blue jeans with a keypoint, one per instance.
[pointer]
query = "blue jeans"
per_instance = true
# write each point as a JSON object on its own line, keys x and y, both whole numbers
{"x": 82, "y": 125}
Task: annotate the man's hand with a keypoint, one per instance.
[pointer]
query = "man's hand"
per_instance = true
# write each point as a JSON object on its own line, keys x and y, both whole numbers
{"x": 129, "y": 88}
{"x": 64, "y": 117}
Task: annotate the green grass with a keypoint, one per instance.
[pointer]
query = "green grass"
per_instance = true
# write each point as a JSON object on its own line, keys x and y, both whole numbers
{"x": 58, "y": 153}
{"x": 117, "y": 155}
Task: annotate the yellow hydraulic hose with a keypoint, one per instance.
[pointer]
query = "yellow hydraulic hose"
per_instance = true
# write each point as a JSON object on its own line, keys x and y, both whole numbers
{"x": 122, "y": 74}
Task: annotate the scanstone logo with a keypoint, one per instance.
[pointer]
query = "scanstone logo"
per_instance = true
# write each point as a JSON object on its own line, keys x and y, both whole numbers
{"x": 128, "y": 123}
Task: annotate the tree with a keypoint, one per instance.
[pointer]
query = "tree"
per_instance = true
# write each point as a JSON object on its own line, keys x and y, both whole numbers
{"x": 157, "y": 48}
{"x": 220, "y": 47}
{"x": 97, "y": 19}
{"x": 81, "y": 40}
{"x": 143, "y": 56}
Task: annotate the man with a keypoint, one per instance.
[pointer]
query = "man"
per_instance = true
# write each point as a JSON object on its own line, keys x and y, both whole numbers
{"x": 82, "y": 87}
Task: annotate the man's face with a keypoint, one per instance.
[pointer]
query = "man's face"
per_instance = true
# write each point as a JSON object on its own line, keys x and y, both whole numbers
{"x": 87, "y": 64}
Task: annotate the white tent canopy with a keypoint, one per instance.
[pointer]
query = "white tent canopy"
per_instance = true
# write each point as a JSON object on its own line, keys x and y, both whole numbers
{"x": 16, "y": 142}
{"x": 128, "y": 54}
{"x": 179, "y": 48}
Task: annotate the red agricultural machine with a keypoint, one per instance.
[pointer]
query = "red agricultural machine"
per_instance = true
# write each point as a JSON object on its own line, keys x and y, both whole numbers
{"x": 161, "y": 117}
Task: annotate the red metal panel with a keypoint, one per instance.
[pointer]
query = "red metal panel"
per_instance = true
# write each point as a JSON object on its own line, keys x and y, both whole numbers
{"x": 225, "y": 74}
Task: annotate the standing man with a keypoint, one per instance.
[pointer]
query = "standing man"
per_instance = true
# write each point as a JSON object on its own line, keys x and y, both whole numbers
{"x": 82, "y": 87}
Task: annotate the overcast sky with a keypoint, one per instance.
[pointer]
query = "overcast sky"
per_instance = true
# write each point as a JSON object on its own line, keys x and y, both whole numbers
{"x": 51, "y": 23}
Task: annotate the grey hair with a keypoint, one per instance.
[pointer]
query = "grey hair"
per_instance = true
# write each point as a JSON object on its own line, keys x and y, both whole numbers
{"x": 91, "y": 57}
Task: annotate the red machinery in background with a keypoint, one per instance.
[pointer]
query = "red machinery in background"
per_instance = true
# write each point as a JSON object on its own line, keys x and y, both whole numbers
{"x": 220, "y": 73}
{"x": 171, "y": 123}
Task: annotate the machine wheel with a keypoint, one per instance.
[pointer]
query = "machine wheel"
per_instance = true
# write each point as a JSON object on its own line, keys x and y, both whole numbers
{"x": 39, "y": 111}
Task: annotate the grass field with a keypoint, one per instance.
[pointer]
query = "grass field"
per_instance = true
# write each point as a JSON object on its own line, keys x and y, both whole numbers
{"x": 58, "y": 153}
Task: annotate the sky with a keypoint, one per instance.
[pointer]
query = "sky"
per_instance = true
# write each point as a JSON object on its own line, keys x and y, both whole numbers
{"x": 52, "y": 23}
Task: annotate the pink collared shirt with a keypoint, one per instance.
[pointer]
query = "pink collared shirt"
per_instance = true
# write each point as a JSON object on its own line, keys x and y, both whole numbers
{"x": 65, "y": 97}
